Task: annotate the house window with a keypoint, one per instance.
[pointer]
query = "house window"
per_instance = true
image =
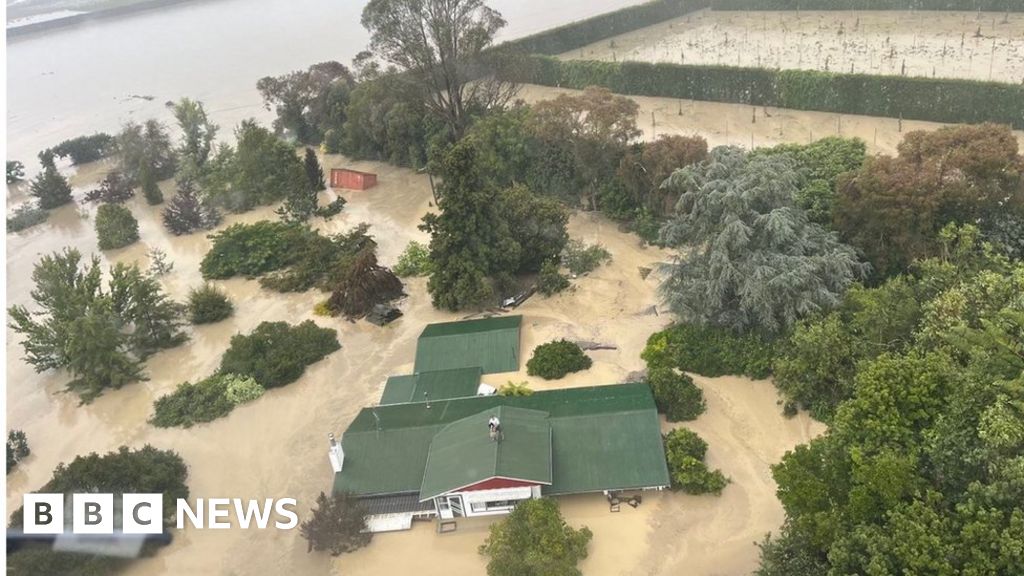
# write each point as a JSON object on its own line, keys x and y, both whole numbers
{"x": 493, "y": 505}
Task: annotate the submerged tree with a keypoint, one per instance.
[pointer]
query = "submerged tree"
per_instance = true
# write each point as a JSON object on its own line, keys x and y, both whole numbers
{"x": 150, "y": 189}
{"x": 364, "y": 285}
{"x": 436, "y": 43}
{"x": 51, "y": 188}
{"x": 308, "y": 102}
{"x": 314, "y": 172}
{"x": 198, "y": 132}
{"x": 15, "y": 171}
{"x": 186, "y": 213}
{"x": 338, "y": 524}
{"x": 147, "y": 145}
{"x": 114, "y": 189}
{"x": 535, "y": 540}
{"x": 751, "y": 258}
{"x": 116, "y": 227}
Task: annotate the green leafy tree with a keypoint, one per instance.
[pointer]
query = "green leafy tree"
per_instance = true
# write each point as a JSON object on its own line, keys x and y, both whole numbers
{"x": 198, "y": 132}
{"x": 414, "y": 261}
{"x": 139, "y": 299}
{"x": 535, "y": 540}
{"x": 314, "y": 173}
{"x": 551, "y": 281}
{"x": 15, "y": 171}
{"x": 208, "y": 304}
{"x": 187, "y": 213}
{"x": 17, "y": 448}
{"x": 675, "y": 394}
{"x": 51, "y": 188}
{"x": 115, "y": 227}
{"x": 85, "y": 149}
{"x": 337, "y": 524}
{"x": 710, "y": 351}
{"x": 751, "y": 259}
{"x": 537, "y": 224}
{"x": 684, "y": 451}
{"x": 308, "y": 102}
{"x": 556, "y": 359}
{"x": 580, "y": 258}
{"x": 150, "y": 189}
{"x": 435, "y": 43}
{"x": 263, "y": 170}
{"x": 822, "y": 162}
{"x": 276, "y": 353}
{"x": 148, "y": 145}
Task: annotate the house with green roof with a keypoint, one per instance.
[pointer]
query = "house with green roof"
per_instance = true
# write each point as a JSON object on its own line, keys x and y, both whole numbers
{"x": 434, "y": 385}
{"x": 491, "y": 344}
{"x": 441, "y": 458}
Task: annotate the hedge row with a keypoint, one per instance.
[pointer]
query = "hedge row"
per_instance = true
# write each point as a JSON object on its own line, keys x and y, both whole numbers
{"x": 934, "y": 99}
{"x": 583, "y": 32}
{"x": 971, "y": 5}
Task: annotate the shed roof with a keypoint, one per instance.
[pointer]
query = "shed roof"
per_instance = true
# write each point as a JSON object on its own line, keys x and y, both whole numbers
{"x": 462, "y": 453}
{"x": 439, "y": 384}
{"x": 490, "y": 343}
{"x": 602, "y": 438}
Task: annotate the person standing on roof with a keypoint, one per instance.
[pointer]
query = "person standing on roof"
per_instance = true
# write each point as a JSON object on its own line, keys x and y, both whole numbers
{"x": 494, "y": 427}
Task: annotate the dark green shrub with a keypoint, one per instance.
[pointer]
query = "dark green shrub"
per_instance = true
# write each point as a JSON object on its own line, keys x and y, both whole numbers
{"x": 17, "y": 448}
{"x": 150, "y": 189}
{"x": 15, "y": 171}
{"x": 26, "y": 216}
{"x": 556, "y": 359}
{"x": 115, "y": 227}
{"x": 51, "y": 188}
{"x": 331, "y": 209}
{"x": 276, "y": 353}
{"x": 208, "y": 304}
{"x": 254, "y": 249}
{"x": 551, "y": 281}
{"x": 675, "y": 394}
{"x": 84, "y": 149}
{"x": 337, "y": 524}
{"x": 684, "y": 452}
{"x": 709, "y": 351}
{"x": 192, "y": 403}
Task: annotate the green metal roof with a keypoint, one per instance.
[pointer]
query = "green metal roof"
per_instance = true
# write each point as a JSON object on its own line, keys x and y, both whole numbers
{"x": 603, "y": 438}
{"x": 463, "y": 453}
{"x": 439, "y": 384}
{"x": 490, "y": 343}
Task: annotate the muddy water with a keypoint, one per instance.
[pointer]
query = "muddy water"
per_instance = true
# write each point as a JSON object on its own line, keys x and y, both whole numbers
{"x": 972, "y": 45}
{"x": 748, "y": 127}
{"x": 96, "y": 76}
{"x": 276, "y": 446}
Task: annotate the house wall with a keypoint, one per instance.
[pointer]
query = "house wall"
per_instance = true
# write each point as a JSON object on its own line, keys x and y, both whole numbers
{"x": 482, "y": 502}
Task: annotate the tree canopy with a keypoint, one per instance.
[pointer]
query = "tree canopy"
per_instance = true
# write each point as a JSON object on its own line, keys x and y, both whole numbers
{"x": 750, "y": 259}
{"x": 534, "y": 540}
{"x": 308, "y": 102}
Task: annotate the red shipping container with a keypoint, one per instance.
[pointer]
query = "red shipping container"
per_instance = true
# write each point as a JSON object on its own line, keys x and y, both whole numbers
{"x": 352, "y": 179}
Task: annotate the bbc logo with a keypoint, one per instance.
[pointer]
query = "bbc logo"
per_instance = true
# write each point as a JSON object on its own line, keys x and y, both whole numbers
{"x": 93, "y": 513}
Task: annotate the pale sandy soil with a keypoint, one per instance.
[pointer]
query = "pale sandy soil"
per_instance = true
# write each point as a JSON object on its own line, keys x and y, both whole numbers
{"x": 973, "y": 45}
{"x": 721, "y": 123}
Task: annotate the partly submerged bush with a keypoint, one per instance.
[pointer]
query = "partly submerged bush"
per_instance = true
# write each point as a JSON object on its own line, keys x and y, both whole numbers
{"x": 551, "y": 281}
{"x": 414, "y": 261}
{"x": 276, "y": 353}
{"x": 253, "y": 249}
{"x": 675, "y": 394}
{"x": 193, "y": 403}
{"x": 684, "y": 451}
{"x": 580, "y": 258}
{"x": 709, "y": 351}
{"x": 556, "y": 359}
{"x": 26, "y": 216}
{"x": 240, "y": 390}
{"x": 115, "y": 227}
{"x": 208, "y": 304}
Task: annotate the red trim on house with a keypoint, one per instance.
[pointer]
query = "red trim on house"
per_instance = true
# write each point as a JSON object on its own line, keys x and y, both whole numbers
{"x": 496, "y": 483}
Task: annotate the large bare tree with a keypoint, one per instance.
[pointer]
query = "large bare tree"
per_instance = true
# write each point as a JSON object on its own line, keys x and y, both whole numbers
{"x": 438, "y": 43}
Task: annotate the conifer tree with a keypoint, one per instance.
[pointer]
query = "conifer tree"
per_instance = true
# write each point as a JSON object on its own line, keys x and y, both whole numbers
{"x": 51, "y": 188}
{"x": 314, "y": 172}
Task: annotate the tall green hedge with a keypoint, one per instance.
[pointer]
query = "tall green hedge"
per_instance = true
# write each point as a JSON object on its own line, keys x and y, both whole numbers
{"x": 583, "y": 32}
{"x": 934, "y": 99}
{"x": 970, "y": 5}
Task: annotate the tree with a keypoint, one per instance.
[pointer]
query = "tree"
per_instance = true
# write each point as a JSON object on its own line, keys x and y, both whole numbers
{"x": 551, "y": 281}
{"x": 158, "y": 264}
{"x": 709, "y": 351}
{"x": 822, "y": 162}
{"x": 15, "y": 171}
{"x": 597, "y": 126}
{"x": 147, "y": 145}
{"x": 208, "y": 304}
{"x": 414, "y": 261}
{"x": 364, "y": 285}
{"x": 751, "y": 259}
{"x": 17, "y": 448}
{"x": 150, "y": 189}
{"x": 115, "y": 227}
{"x": 537, "y": 224}
{"x": 276, "y": 353}
{"x": 263, "y": 170}
{"x": 314, "y": 173}
{"x": 85, "y": 149}
{"x": 300, "y": 204}
{"x": 675, "y": 394}
{"x": 685, "y": 452}
{"x": 100, "y": 337}
{"x": 308, "y": 102}
{"x": 145, "y": 470}
{"x": 643, "y": 169}
{"x": 186, "y": 213}
{"x": 114, "y": 189}
{"x": 893, "y": 208}
{"x": 436, "y": 43}
{"x": 51, "y": 188}
{"x": 534, "y": 540}
{"x": 26, "y": 216}
{"x": 197, "y": 132}
{"x": 555, "y": 359}
{"x": 338, "y": 524}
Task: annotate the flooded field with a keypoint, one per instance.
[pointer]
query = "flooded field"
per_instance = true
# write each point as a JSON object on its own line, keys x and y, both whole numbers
{"x": 276, "y": 446}
{"x": 750, "y": 127}
{"x": 972, "y": 45}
